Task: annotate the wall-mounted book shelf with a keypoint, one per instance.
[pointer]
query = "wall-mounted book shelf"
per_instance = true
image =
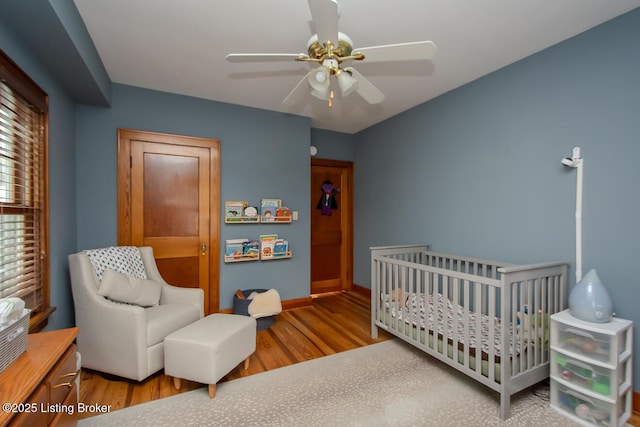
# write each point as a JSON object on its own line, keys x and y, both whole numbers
{"x": 242, "y": 220}
{"x": 282, "y": 255}
{"x": 270, "y": 211}
{"x": 245, "y": 258}
{"x": 268, "y": 247}
{"x": 240, "y": 258}
{"x": 257, "y": 220}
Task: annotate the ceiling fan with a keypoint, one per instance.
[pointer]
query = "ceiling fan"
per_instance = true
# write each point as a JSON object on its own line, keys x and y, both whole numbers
{"x": 330, "y": 48}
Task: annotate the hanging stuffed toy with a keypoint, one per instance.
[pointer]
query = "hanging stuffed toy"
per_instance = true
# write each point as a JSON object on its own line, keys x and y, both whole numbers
{"x": 328, "y": 200}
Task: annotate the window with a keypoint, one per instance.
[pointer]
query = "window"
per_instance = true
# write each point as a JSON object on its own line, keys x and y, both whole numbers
{"x": 23, "y": 189}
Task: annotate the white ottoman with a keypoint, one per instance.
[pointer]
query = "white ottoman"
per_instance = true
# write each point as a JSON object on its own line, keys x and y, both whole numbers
{"x": 209, "y": 349}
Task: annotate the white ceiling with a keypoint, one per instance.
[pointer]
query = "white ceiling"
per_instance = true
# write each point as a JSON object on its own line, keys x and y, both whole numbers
{"x": 180, "y": 46}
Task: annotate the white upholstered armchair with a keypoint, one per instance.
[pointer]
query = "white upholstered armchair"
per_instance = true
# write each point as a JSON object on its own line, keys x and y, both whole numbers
{"x": 126, "y": 339}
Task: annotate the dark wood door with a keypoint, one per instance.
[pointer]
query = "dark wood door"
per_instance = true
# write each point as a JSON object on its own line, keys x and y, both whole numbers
{"x": 331, "y": 235}
{"x": 170, "y": 202}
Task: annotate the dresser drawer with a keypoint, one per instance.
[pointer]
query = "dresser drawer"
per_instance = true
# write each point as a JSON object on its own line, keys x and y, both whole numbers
{"x": 607, "y": 343}
{"x": 68, "y": 417}
{"x": 582, "y": 408}
{"x": 589, "y": 377}
{"x": 62, "y": 377}
{"x": 34, "y": 416}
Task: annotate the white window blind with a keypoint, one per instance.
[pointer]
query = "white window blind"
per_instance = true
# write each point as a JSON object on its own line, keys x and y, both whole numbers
{"x": 23, "y": 198}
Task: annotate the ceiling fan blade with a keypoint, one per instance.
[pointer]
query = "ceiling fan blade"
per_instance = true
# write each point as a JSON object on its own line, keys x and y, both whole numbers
{"x": 325, "y": 20}
{"x": 262, "y": 57}
{"x": 399, "y": 52}
{"x": 298, "y": 92}
{"x": 365, "y": 88}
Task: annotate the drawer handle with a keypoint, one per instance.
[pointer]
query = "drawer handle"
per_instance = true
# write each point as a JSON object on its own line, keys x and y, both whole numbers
{"x": 581, "y": 333}
{"x": 69, "y": 385}
{"x": 73, "y": 375}
{"x": 579, "y": 396}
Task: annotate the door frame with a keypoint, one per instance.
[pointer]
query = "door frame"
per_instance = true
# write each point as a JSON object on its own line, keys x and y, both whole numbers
{"x": 347, "y": 237}
{"x": 124, "y": 161}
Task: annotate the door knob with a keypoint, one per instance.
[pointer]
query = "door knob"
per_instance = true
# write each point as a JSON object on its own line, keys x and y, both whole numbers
{"x": 203, "y": 248}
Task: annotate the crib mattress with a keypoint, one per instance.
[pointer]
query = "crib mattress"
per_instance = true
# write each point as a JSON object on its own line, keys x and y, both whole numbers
{"x": 438, "y": 315}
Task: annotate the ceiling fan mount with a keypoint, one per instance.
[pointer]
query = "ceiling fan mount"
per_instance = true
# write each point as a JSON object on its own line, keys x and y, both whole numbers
{"x": 319, "y": 51}
{"x": 330, "y": 48}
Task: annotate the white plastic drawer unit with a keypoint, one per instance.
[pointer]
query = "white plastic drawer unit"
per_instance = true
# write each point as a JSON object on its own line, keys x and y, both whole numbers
{"x": 587, "y": 410}
{"x": 589, "y": 377}
{"x": 604, "y": 342}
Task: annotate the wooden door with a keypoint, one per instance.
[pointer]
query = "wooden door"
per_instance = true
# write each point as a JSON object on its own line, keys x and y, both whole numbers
{"x": 331, "y": 235}
{"x": 168, "y": 198}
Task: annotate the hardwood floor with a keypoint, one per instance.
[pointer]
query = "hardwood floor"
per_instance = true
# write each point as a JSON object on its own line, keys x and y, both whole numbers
{"x": 334, "y": 323}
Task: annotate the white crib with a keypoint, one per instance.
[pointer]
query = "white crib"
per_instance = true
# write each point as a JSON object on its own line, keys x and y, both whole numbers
{"x": 487, "y": 319}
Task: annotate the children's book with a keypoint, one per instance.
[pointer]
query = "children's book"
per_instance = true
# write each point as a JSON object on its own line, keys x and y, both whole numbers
{"x": 251, "y": 249}
{"x": 234, "y": 209}
{"x": 267, "y": 242}
{"x": 283, "y": 214}
{"x": 280, "y": 248}
{"x": 250, "y": 214}
{"x": 268, "y": 209}
{"x": 235, "y": 247}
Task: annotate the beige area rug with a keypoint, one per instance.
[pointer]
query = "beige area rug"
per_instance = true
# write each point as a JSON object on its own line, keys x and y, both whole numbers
{"x": 385, "y": 384}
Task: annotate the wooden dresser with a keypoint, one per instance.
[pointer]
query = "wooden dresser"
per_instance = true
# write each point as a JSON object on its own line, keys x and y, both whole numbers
{"x": 38, "y": 388}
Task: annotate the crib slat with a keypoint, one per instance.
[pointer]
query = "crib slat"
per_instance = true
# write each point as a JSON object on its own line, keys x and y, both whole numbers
{"x": 467, "y": 323}
{"x": 477, "y": 295}
{"x": 492, "y": 330}
{"x": 414, "y": 324}
{"x": 420, "y": 292}
{"x": 529, "y": 339}
{"x": 517, "y": 304}
{"x": 437, "y": 325}
{"x": 445, "y": 324}
{"x": 401, "y": 280}
{"x": 455, "y": 303}
{"x": 507, "y": 323}
{"x": 535, "y": 304}
{"x": 431, "y": 326}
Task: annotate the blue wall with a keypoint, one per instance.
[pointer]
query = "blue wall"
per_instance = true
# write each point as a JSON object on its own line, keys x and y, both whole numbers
{"x": 333, "y": 145}
{"x": 263, "y": 155}
{"x": 477, "y": 171}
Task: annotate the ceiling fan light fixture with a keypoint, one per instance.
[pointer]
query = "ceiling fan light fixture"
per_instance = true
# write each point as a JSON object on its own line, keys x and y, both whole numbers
{"x": 319, "y": 82}
{"x": 321, "y": 94}
{"x": 346, "y": 82}
{"x": 319, "y": 78}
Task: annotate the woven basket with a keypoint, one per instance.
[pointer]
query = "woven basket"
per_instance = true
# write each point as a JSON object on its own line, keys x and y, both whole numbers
{"x": 13, "y": 340}
{"x": 241, "y": 306}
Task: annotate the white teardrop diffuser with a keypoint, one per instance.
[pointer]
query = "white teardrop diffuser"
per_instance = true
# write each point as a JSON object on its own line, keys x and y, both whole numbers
{"x": 590, "y": 301}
